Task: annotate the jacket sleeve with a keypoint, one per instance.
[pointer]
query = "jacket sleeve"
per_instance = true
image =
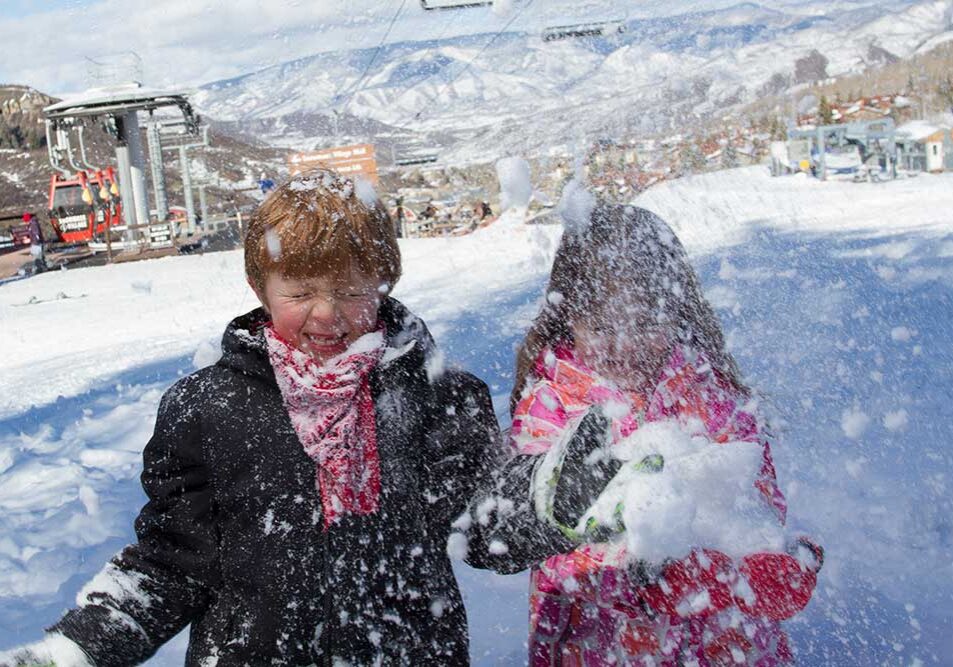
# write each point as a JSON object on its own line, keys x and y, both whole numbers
{"x": 152, "y": 589}
{"x": 464, "y": 444}
{"x": 500, "y": 529}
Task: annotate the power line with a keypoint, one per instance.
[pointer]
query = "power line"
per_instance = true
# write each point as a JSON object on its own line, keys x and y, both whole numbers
{"x": 487, "y": 45}
{"x": 357, "y": 87}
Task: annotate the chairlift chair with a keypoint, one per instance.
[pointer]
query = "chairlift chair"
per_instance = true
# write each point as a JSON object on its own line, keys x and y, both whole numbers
{"x": 454, "y": 4}
{"x": 419, "y": 158}
{"x": 597, "y": 29}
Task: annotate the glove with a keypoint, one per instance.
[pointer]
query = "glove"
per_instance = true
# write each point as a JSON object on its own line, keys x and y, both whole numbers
{"x": 585, "y": 471}
{"x": 762, "y": 585}
{"x": 572, "y": 477}
{"x": 23, "y": 657}
{"x": 54, "y": 650}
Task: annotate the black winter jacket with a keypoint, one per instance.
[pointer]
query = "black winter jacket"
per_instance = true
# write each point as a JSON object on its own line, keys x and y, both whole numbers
{"x": 231, "y": 539}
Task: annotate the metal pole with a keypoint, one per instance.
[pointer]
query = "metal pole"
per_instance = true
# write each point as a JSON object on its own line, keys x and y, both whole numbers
{"x": 53, "y": 150}
{"x": 155, "y": 165}
{"x": 63, "y": 142}
{"x": 137, "y": 163}
{"x": 822, "y": 147}
{"x": 82, "y": 148}
{"x": 203, "y": 206}
{"x": 187, "y": 187}
{"x": 125, "y": 178}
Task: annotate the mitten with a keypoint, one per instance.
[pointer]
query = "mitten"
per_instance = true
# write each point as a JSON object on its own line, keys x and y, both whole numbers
{"x": 54, "y": 650}
{"x": 573, "y": 476}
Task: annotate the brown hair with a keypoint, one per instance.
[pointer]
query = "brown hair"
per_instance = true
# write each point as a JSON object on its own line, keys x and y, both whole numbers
{"x": 632, "y": 253}
{"x": 319, "y": 223}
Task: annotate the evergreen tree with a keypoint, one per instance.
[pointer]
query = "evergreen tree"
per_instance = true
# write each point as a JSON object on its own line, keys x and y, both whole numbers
{"x": 945, "y": 91}
{"x": 825, "y": 113}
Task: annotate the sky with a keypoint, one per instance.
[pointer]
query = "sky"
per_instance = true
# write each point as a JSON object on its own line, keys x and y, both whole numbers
{"x": 186, "y": 43}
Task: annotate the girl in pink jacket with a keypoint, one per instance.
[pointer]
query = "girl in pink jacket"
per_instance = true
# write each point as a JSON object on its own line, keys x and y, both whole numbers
{"x": 625, "y": 344}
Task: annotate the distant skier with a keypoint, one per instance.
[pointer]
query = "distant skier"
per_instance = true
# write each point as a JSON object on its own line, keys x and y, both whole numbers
{"x": 485, "y": 211}
{"x": 266, "y": 184}
{"x": 301, "y": 490}
{"x": 36, "y": 242}
{"x": 625, "y": 347}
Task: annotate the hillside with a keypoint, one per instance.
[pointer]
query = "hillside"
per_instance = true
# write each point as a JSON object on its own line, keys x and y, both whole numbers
{"x": 482, "y": 96}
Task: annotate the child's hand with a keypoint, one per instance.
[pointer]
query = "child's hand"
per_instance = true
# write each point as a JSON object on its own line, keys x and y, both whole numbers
{"x": 586, "y": 469}
{"x": 23, "y": 657}
{"x": 572, "y": 479}
{"x": 54, "y": 650}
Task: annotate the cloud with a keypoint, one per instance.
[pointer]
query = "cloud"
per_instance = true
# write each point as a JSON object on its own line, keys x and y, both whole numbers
{"x": 185, "y": 43}
{"x": 181, "y": 42}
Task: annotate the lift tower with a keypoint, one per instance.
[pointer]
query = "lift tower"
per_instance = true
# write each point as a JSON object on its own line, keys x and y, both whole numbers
{"x": 118, "y": 107}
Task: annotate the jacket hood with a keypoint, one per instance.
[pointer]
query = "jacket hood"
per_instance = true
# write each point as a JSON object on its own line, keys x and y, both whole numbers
{"x": 244, "y": 348}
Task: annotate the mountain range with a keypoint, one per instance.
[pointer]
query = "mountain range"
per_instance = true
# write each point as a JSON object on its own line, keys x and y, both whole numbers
{"x": 479, "y": 96}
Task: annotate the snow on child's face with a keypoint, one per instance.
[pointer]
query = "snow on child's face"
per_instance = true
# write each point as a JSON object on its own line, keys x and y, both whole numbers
{"x": 628, "y": 348}
{"x": 322, "y": 315}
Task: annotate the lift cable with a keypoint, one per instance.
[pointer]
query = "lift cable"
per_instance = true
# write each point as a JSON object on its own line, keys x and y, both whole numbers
{"x": 487, "y": 45}
{"x": 357, "y": 87}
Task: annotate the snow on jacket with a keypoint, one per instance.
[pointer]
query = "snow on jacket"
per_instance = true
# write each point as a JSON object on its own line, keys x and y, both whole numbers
{"x": 588, "y": 604}
{"x": 233, "y": 541}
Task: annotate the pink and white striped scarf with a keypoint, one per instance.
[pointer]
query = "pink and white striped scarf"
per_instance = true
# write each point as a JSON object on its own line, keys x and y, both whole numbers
{"x": 332, "y": 411}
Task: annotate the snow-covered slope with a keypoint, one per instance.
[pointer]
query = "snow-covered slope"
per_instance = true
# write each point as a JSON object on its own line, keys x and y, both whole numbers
{"x": 674, "y": 62}
{"x": 837, "y": 300}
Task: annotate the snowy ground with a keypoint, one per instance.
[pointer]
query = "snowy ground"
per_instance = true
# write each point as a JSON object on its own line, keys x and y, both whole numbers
{"x": 837, "y": 299}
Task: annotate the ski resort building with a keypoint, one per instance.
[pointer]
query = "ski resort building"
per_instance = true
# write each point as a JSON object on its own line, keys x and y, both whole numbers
{"x": 922, "y": 146}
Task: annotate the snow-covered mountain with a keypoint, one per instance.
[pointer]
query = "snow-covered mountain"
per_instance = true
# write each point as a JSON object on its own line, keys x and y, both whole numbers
{"x": 489, "y": 94}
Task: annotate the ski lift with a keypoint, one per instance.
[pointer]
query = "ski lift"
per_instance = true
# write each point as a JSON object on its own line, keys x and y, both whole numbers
{"x": 598, "y": 29}
{"x": 413, "y": 153}
{"x": 414, "y": 159}
{"x": 454, "y": 4}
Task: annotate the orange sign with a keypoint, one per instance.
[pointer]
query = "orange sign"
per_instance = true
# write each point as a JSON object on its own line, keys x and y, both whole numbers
{"x": 356, "y": 160}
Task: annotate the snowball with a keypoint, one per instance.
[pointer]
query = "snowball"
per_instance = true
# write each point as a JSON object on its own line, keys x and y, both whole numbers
{"x": 365, "y": 191}
{"x": 498, "y": 548}
{"x": 704, "y": 496}
{"x": 273, "y": 244}
{"x": 457, "y": 546}
{"x": 854, "y": 422}
{"x": 436, "y": 365}
{"x": 576, "y": 205}
{"x": 462, "y": 522}
{"x": 901, "y": 334}
{"x": 516, "y": 187}
{"x": 206, "y": 354}
{"x": 437, "y": 607}
{"x": 895, "y": 421}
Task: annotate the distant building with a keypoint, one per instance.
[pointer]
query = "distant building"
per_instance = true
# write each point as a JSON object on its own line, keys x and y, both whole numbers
{"x": 922, "y": 146}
